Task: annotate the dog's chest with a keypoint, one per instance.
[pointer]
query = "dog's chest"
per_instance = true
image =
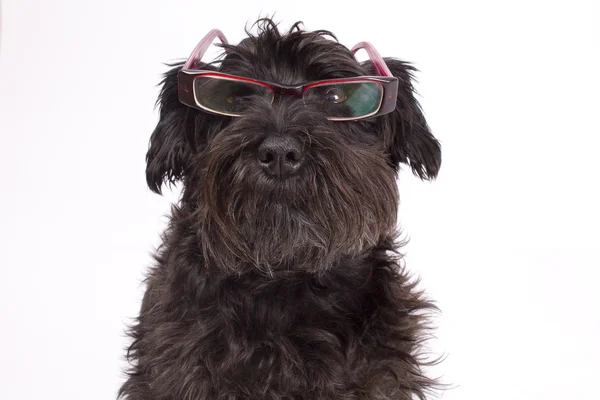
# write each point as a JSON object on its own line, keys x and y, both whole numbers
{"x": 277, "y": 334}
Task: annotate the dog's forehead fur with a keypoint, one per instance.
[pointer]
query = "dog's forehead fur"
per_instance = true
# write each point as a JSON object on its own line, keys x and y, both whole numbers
{"x": 292, "y": 58}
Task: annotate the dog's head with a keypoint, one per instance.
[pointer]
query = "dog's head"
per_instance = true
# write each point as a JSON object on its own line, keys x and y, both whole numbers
{"x": 283, "y": 186}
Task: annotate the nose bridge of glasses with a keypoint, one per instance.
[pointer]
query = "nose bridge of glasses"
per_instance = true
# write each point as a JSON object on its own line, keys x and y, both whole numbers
{"x": 286, "y": 90}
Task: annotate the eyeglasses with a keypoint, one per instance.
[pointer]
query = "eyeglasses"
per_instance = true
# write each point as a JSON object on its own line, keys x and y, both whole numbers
{"x": 344, "y": 99}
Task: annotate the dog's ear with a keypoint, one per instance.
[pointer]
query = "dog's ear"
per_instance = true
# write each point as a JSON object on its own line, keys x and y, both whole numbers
{"x": 170, "y": 151}
{"x": 406, "y": 132}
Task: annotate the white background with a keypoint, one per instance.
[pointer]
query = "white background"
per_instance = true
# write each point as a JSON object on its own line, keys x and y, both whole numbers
{"x": 506, "y": 240}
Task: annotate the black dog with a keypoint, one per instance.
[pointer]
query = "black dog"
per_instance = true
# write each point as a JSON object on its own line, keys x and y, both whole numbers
{"x": 283, "y": 285}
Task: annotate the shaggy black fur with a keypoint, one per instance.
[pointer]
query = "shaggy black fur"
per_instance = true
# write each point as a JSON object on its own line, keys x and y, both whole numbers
{"x": 283, "y": 289}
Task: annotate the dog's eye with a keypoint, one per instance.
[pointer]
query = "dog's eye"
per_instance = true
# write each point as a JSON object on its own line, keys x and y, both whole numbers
{"x": 334, "y": 95}
{"x": 237, "y": 100}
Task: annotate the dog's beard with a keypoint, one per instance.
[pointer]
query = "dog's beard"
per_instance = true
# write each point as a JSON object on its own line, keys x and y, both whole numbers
{"x": 342, "y": 203}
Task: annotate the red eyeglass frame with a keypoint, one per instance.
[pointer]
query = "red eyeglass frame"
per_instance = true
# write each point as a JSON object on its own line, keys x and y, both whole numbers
{"x": 189, "y": 73}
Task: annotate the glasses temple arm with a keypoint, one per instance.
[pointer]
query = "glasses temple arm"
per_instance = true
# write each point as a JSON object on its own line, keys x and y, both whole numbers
{"x": 380, "y": 66}
{"x": 201, "y": 48}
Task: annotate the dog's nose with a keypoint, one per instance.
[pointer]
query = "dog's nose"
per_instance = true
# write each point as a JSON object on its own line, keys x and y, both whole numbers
{"x": 280, "y": 155}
